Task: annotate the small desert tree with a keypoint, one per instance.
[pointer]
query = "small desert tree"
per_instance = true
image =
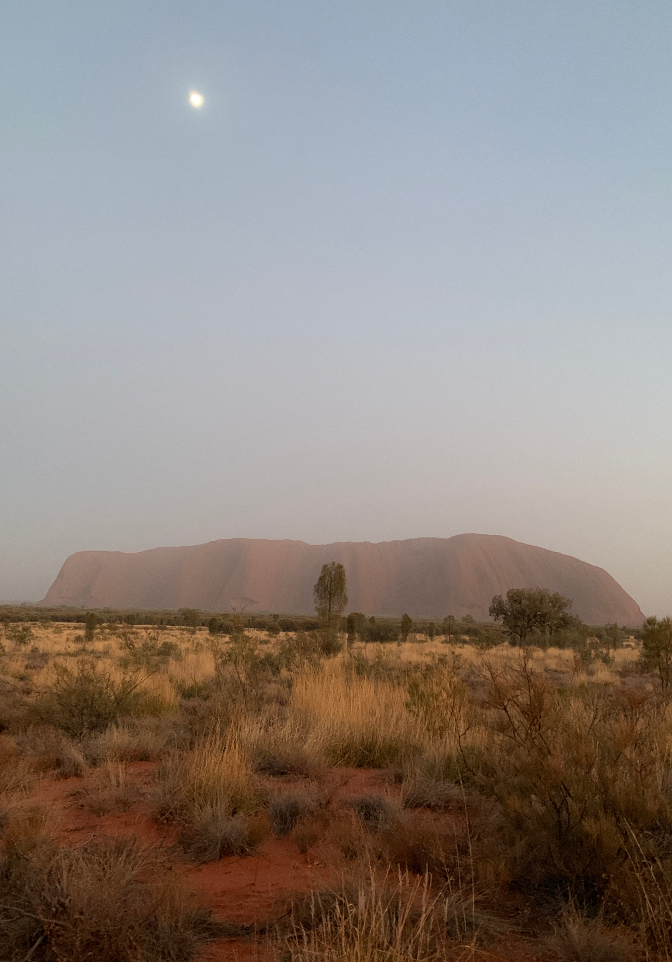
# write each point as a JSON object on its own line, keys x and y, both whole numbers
{"x": 90, "y": 623}
{"x": 355, "y": 624}
{"x": 406, "y": 626}
{"x": 449, "y": 627}
{"x": 191, "y": 617}
{"x": 657, "y": 648}
{"x": 526, "y": 613}
{"x": 330, "y": 594}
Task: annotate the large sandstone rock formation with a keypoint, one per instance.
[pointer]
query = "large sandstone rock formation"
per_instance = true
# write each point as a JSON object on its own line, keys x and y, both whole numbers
{"x": 426, "y": 577}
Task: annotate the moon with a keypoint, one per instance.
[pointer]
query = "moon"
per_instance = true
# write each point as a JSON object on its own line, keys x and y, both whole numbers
{"x": 196, "y": 99}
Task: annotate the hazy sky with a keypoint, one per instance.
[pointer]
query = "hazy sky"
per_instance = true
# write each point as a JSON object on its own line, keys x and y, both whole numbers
{"x": 407, "y": 272}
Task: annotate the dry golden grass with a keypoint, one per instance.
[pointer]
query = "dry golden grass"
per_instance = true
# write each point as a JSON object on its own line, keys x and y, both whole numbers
{"x": 110, "y": 901}
{"x": 398, "y": 917}
{"x": 215, "y": 776}
{"x": 352, "y": 720}
{"x": 108, "y": 789}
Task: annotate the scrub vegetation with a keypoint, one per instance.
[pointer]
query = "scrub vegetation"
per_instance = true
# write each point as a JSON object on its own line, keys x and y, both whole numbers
{"x": 450, "y": 792}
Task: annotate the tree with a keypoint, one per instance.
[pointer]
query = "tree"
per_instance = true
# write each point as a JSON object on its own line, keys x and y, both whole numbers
{"x": 356, "y": 623}
{"x": 526, "y": 613}
{"x": 449, "y": 627}
{"x": 657, "y": 648}
{"x": 191, "y": 617}
{"x": 406, "y": 626}
{"x": 330, "y": 594}
{"x": 90, "y": 623}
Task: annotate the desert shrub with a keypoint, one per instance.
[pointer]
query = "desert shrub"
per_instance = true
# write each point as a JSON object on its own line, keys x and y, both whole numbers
{"x": 211, "y": 834}
{"x": 436, "y": 796}
{"x": 20, "y": 635}
{"x": 300, "y": 651}
{"x": 420, "y": 844}
{"x": 279, "y": 764}
{"x": 90, "y": 625}
{"x": 438, "y": 699}
{"x": 16, "y": 773}
{"x": 379, "y": 631}
{"x": 242, "y": 671}
{"x": 50, "y": 750}
{"x": 374, "y": 811}
{"x": 191, "y": 617}
{"x": 87, "y": 698}
{"x": 305, "y": 834}
{"x": 329, "y": 642}
{"x": 146, "y": 651}
{"x": 571, "y": 772}
{"x": 577, "y": 938}
{"x": 657, "y": 649}
{"x": 95, "y": 902}
{"x": 287, "y": 808}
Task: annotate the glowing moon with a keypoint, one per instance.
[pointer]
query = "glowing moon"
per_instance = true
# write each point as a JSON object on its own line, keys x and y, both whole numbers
{"x": 196, "y": 99}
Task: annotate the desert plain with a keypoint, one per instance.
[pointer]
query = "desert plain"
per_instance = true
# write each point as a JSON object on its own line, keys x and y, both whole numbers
{"x": 174, "y": 792}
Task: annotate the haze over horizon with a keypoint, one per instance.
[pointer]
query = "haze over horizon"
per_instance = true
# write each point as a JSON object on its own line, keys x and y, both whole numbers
{"x": 407, "y": 272}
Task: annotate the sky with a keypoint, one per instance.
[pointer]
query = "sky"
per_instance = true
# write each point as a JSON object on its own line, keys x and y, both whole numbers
{"x": 407, "y": 272}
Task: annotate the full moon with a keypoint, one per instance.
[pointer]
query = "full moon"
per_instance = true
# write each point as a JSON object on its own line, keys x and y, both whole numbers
{"x": 196, "y": 99}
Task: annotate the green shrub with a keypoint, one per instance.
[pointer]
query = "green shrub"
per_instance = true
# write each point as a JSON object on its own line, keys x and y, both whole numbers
{"x": 87, "y": 699}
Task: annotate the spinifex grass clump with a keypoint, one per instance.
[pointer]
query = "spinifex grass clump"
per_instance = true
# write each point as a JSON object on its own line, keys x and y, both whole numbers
{"x": 392, "y": 918}
{"x": 209, "y": 791}
{"x": 108, "y": 901}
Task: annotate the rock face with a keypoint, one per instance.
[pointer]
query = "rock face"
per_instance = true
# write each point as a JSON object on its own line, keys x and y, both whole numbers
{"x": 426, "y": 577}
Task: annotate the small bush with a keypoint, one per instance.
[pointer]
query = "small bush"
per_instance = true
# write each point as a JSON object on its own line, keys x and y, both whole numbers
{"x": 437, "y": 796}
{"x": 374, "y": 811}
{"x": 212, "y": 834}
{"x": 50, "y": 750}
{"x": 291, "y": 763}
{"x": 209, "y": 791}
{"x": 86, "y": 699}
{"x": 148, "y": 652}
{"x": 421, "y": 845}
{"x": 95, "y": 903}
{"x": 286, "y": 809}
{"x": 579, "y": 939}
{"x": 305, "y": 834}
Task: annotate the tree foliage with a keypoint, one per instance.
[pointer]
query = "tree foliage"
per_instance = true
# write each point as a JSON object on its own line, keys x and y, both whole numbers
{"x": 330, "y": 594}
{"x": 527, "y": 613}
{"x": 657, "y": 648}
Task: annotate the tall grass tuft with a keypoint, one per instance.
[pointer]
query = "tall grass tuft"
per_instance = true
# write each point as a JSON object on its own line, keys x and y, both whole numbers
{"x": 209, "y": 791}
{"x": 394, "y": 918}
{"x": 352, "y": 720}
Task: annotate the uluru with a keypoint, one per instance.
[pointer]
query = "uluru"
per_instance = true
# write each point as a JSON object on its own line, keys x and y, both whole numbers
{"x": 425, "y": 577}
